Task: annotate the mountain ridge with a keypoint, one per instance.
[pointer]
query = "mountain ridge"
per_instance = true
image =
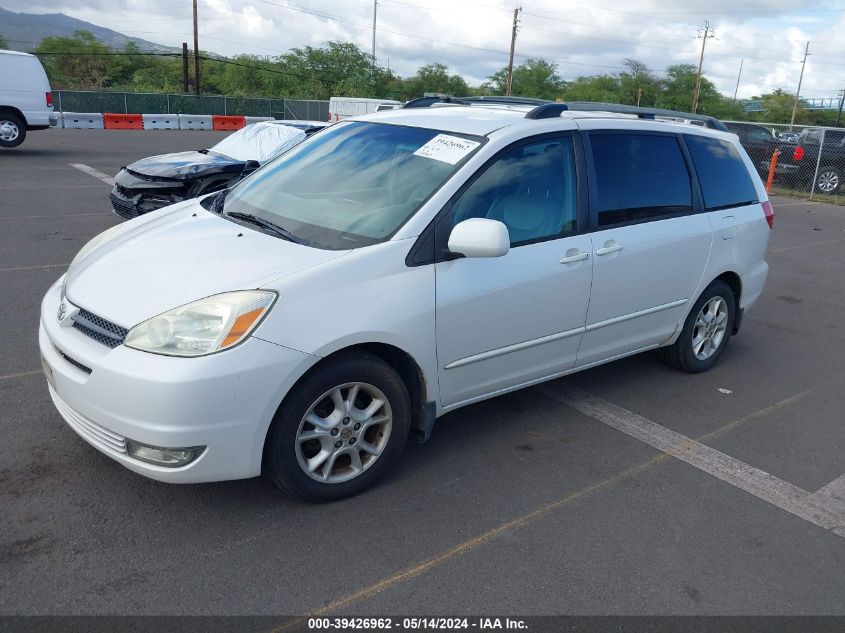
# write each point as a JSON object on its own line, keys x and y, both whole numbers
{"x": 24, "y": 31}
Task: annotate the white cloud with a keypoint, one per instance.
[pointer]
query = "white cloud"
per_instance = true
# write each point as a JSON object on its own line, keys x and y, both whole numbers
{"x": 472, "y": 36}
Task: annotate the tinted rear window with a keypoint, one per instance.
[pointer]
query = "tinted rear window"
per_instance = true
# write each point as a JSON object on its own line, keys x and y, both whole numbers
{"x": 639, "y": 177}
{"x": 722, "y": 173}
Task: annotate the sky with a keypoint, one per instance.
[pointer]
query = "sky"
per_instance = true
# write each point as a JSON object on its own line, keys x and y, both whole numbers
{"x": 472, "y": 36}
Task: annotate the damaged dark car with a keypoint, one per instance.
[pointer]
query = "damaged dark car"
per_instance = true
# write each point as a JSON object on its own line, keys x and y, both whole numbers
{"x": 158, "y": 181}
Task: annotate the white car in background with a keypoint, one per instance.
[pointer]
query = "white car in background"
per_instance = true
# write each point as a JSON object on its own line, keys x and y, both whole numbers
{"x": 391, "y": 269}
{"x": 26, "y": 101}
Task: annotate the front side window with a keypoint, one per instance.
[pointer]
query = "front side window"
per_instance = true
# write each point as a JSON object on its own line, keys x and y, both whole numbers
{"x": 531, "y": 189}
{"x": 352, "y": 185}
{"x": 639, "y": 177}
{"x": 722, "y": 173}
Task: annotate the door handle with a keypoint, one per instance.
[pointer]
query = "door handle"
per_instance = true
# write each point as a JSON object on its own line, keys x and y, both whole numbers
{"x": 574, "y": 255}
{"x": 610, "y": 246}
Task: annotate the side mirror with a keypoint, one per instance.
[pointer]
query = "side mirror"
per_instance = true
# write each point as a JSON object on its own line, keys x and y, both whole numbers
{"x": 480, "y": 237}
{"x": 249, "y": 167}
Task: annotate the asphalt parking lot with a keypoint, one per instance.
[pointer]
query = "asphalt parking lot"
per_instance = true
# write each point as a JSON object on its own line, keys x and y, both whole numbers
{"x": 583, "y": 496}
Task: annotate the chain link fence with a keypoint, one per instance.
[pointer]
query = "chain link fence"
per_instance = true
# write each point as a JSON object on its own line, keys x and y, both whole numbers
{"x": 810, "y": 159}
{"x": 156, "y": 103}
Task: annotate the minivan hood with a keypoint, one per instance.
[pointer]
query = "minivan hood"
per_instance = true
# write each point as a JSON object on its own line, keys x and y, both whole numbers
{"x": 179, "y": 255}
{"x": 186, "y": 165}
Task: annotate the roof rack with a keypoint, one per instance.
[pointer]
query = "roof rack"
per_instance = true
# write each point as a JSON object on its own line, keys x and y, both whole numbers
{"x": 426, "y": 102}
{"x": 552, "y": 110}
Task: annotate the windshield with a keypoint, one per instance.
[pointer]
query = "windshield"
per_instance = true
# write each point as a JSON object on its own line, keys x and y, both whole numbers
{"x": 259, "y": 141}
{"x": 353, "y": 184}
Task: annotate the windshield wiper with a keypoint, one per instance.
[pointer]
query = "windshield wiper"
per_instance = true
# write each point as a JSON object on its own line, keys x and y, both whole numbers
{"x": 267, "y": 225}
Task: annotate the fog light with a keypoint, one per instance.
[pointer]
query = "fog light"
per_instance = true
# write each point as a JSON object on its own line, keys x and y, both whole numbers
{"x": 168, "y": 457}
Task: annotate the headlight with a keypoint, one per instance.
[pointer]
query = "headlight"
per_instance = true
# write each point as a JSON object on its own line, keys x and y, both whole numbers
{"x": 93, "y": 243}
{"x": 206, "y": 326}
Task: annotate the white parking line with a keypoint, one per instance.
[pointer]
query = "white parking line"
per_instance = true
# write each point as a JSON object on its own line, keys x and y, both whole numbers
{"x": 817, "y": 508}
{"x": 832, "y": 495}
{"x": 93, "y": 172}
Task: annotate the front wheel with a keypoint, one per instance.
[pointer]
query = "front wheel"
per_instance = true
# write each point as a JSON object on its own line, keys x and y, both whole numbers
{"x": 706, "y": 331}
{"x": 12, "y": 130}
{"x": 340, "y": 429}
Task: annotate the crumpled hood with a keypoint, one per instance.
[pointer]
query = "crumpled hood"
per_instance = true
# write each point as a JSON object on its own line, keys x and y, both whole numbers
{"x": 186, "y": 165}
{"x": 177, "y": 255}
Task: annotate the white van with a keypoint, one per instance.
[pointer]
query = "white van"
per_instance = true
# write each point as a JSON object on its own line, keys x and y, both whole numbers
{"x": 342, "y": 107}
{"x": 26, "y": 101}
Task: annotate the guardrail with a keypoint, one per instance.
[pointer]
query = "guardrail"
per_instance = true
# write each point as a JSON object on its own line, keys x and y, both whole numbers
{"x": 156, "y": 103}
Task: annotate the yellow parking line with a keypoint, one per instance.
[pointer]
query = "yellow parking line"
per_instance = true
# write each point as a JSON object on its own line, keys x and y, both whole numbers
{"x": 10, "y": 270}
{"x": 20, "y": 375}
{"x": 467, "y": 546}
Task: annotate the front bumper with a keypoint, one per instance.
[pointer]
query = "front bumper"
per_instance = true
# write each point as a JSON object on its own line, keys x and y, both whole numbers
{"x": 133, "y": 195}
{"x": 223, "y": 401}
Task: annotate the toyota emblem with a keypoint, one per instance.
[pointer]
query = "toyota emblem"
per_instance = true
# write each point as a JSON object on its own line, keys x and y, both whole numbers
{"x": 62, "y": 311}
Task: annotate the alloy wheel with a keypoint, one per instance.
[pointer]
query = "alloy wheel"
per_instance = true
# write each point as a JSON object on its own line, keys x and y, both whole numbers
{"x": 710, "y": 327}
{"x": 343, "y": 432}
{"x": 828, "y": 181}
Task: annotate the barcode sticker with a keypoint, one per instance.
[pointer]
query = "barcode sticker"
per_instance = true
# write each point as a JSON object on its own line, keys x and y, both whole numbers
{"x": 447, "y": 149}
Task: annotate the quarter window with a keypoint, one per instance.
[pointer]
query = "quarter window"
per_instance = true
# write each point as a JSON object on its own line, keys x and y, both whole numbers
{"x": 639, "y": 177}
{"x": 722, "y": 173}
{"x": 531, "y": 189}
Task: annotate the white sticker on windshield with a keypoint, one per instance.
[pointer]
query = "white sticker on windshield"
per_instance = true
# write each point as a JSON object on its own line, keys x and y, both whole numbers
{"x": 447, "y": 149}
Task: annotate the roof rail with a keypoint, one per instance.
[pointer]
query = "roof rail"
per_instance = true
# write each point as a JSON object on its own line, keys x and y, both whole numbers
{"x": 552, "y": 110}
{"x": 427, "y": 102}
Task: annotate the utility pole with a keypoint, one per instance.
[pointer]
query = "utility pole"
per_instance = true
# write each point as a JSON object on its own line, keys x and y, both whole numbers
{"x": 841, "y": 101}
{"x": 736, "y": 90}
{"x": 800, "y": 79}
{"x": 184, "y": 68}
{"x": 513, "y": 45}
{"x": 196, "y": 54}
{"x": 707, "y": 34}
{"x": 639, "y": 95}
{"x": 375, "y": 14}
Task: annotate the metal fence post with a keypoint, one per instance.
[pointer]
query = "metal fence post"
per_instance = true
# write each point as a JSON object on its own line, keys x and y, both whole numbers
{"x": 125, "y": 105}
{"x": 168, "y": 104}
{"x": 60, "y": 101}
{"x": 225, "y": 101}
{"x": 818, "y": 164}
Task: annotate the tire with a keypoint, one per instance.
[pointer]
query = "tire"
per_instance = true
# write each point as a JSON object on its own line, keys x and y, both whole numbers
{"x": 829, "y": 180}
{"x": 294, "y": 443}
{"x": 12, "y": 130}
{"x": 691, "y": 356}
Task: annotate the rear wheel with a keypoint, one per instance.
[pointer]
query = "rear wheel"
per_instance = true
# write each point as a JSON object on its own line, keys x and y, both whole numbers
{"x": 340, "y": 429}
{"x": 829, "y": 180}
{"x": 12, "y": 130}
{"x": 706, "y": 331}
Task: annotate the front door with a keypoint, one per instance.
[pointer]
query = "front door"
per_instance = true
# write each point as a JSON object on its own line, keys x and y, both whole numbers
{"x": 506, "y": 321}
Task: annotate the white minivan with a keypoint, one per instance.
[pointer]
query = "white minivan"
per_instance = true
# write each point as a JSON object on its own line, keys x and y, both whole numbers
{"x": 26, "y": 101}
{"x": 393, "y": 268}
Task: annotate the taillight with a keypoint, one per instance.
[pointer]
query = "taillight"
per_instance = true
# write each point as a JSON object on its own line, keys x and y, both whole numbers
{"x": 798, "y": 153}
{"x": 770, "y": 213}
{"x": 49, "y": 96}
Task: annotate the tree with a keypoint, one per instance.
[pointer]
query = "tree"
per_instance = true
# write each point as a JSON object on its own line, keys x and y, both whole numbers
{"x": 79, "y": 61}
{"x": 3, "y": 42}
{"x": 434, "y": 78}
{"x": 533, "y": 78}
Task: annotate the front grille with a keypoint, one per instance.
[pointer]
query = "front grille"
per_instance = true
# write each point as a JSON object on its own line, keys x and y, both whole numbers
{"x": 99, "y": 436}
{"x": 109, "y": 334}
{"x": 123, "y": 207}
